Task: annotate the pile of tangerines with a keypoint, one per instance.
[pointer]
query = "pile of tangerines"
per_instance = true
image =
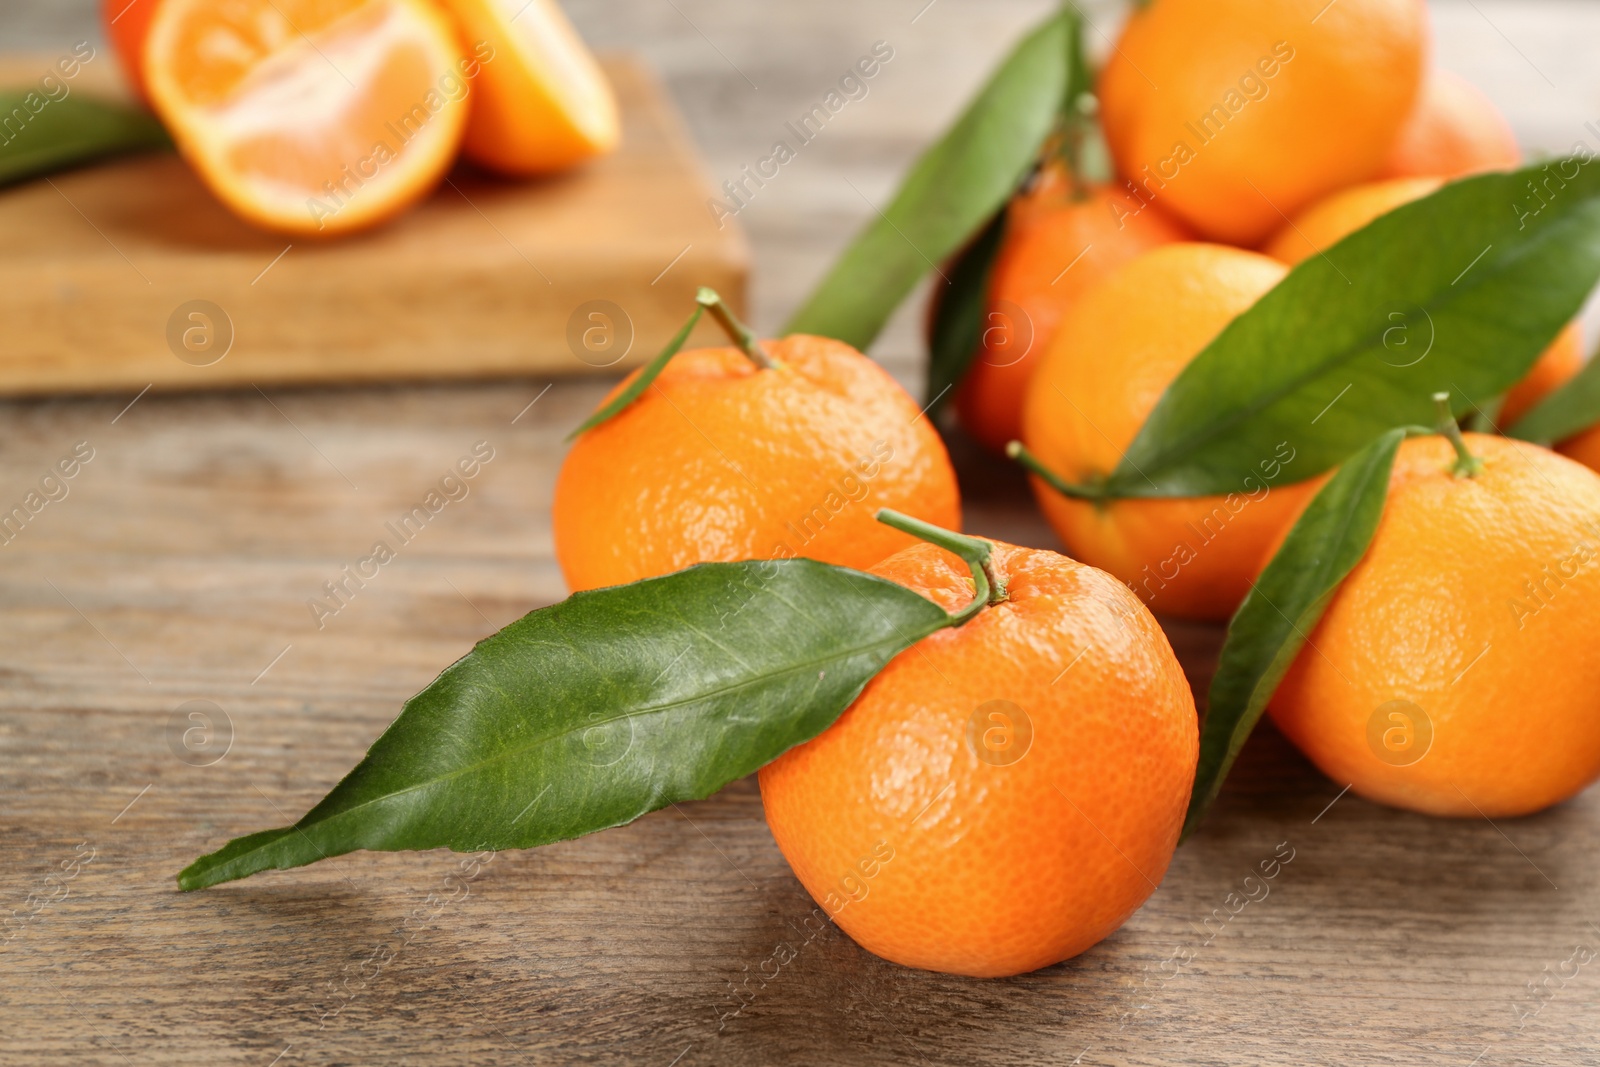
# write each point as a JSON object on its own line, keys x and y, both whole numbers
{"x": 1029, "y": 771}
{"x": 321, "y": 117}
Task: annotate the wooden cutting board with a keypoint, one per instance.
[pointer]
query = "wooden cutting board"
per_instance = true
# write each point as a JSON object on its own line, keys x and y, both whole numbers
{"x": 131, "y": 274}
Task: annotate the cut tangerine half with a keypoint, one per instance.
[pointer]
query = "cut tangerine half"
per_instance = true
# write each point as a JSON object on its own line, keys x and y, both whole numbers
{"x": 310, "y": 116}
{"x": 540, "y": 103}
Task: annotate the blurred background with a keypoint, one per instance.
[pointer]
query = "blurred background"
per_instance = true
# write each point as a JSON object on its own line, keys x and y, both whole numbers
{"x": 181, "y": 566}
{"x": 740, "y": 69}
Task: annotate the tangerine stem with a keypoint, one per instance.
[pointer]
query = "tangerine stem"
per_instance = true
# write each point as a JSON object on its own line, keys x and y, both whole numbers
{"x": 1033, "y": 465}
{"x": 1466, "y": 465}
{"x": 988, "y": 589}
{"x": 737, "y": 331}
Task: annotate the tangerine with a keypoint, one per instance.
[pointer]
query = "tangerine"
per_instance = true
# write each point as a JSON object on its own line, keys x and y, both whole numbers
{"x": 1235, "y": 114}
{"x": 541, "y": 103}
{"x": 1116, "y": 352}
{"x": 1059, "y": 242}
{"x": 723, "y": 459}
{"x": 1454, "y": 670}
{"x": 310, "y": 116}
{"x": 1453, "y": 130}
{"x": 1003, "y": 795}
{"x": 127, "y": 22}
{"x": 1583, "y": 447}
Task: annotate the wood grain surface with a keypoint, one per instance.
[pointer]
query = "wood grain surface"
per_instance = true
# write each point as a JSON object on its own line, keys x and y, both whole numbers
{"x": 102, "y": 269}
{"x": 178, "y": 566}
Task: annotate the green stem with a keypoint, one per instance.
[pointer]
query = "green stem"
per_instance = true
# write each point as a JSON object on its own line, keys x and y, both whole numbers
{"x": 737, "y": 331}
{"x": 1032, "y": 464}
{"x": 988, "y": 589}
{"x": 1466, "y": 465}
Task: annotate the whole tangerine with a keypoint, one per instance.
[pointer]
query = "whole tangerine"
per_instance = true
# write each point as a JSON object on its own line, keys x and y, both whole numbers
{"x": 1116, "y": 352}
{"x": 722, "y": 459}
{"x": 313, "y": 117}
{"x": 1060, "y": 240}
{"x": 1455, "y": 668}
{"x": 1003, "y": 795}
{"x": 1236, "y": 113}
{"x": 1453, "y": 130}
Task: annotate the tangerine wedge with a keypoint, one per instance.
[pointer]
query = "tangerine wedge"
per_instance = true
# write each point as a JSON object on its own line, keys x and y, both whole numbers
{"x": 310, "y": 116}
{"x": 541, "y": 104}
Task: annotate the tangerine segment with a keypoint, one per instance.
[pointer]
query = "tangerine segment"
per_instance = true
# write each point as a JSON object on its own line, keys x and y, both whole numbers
{"x": 310, "y": 116}
{"x": 1002, "y": 795}
{"x": 1455, "y": 670}
{"x": 542, "y": 103}
{"x": 1115, "y": 354}
{"x": 720, "y": 461}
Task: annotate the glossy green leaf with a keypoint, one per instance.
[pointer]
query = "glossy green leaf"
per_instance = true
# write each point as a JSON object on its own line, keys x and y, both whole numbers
{"x": 69, "y": 132}
{"x": 611, "y": 704}
{"x": 1567, "y": 411}
{"x": 958, "y": 319}
{"x": 1459, "y": 291}
{"x": 950, "y": 193}
{"x": 1283, "y": 607}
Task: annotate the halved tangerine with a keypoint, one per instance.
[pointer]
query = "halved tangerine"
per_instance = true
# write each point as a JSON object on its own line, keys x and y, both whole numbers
{"x": 310, "y": 116}
{"x": 541, "y": 103}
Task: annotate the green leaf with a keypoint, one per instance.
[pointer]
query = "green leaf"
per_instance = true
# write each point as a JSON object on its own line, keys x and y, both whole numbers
{"x": 611, "y": 704}
{"x": 957, "y": 332}
{"x": 1459, "y": 291}
{"x": 1283, "y": 607}
{"x": 646, "y": 376}
{"x": 953, "y": 189}
{"x": 1569, "y": 410}
{"x": 71, "y": 131}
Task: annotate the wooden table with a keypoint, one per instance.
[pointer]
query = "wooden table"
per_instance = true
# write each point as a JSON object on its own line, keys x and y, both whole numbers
{"x": 179, "y": 566}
